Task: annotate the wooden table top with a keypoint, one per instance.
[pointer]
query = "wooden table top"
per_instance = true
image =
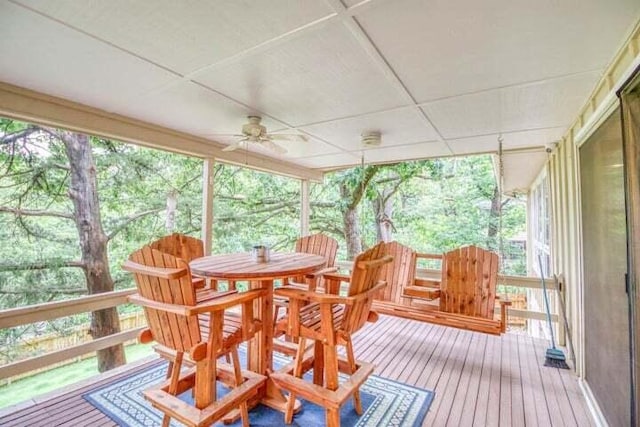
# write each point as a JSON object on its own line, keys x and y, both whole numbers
{"x": 241, "y": 266}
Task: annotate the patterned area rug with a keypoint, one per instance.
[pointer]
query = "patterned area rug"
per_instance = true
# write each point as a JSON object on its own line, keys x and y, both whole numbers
{"x": 385, "y": 403}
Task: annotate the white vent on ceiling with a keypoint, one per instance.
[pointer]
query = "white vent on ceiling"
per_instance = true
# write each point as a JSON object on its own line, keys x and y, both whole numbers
{"x": 371, "y": 138}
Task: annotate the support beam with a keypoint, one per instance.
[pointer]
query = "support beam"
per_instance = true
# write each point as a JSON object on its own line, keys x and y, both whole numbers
{"x": 207, "y": 203}
{"x": 304, "y": 207}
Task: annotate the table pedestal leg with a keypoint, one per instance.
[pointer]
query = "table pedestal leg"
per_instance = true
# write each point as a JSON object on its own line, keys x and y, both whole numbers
{"x": 261, "y": 349}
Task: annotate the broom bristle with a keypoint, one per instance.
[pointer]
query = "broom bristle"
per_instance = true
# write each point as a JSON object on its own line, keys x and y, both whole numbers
{"x": 555, "y": 363}
{"x": 555, "y": 359}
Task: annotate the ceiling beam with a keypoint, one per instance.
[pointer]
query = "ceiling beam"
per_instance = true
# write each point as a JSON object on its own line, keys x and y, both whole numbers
{"x": 27, "y": 105}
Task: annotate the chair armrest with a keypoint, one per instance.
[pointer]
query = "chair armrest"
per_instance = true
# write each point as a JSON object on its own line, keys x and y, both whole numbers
{"x": 310, "y": 296}
{"x": 209, "y": 306}
{"x": 170, "y": 308}
{"x": 162, "y": 273}
{"x": 203, "y": 295}
{"x": 224, "y": 302}
{"x": 322, "y": 272}
{"x": 337, "y": 277}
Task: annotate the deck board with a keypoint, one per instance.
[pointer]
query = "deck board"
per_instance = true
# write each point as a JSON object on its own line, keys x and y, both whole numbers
{"x": 479, "y": 380}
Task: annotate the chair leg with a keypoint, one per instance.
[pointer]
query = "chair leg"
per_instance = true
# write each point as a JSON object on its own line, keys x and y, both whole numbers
{"x": 174, "y": 373}
{"x": 169, "y": 369}
{"x": 357, "y": 402}
{"x": 318, "y": 363}
{"x": 244, "y": 410}
{"x": 333, "y": 417}
{"x": 276, "y": 313}
{"x": 297, "y": 372}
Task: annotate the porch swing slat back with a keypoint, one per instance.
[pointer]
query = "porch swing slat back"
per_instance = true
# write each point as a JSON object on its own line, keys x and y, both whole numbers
{"x": 466, "y": 292}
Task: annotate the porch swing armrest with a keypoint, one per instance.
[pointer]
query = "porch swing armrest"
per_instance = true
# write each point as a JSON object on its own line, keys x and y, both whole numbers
{"x": 503, "y": 314}
{"x": 504, "y": 302}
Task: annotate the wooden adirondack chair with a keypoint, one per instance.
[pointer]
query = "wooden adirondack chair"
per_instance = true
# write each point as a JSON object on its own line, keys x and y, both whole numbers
{"x": 330, "y": 320}
{"x": 317, "y": 244}
{"x": 466, "y": 292}
{"x": 176, "y": 320}
{"x": 182, "y": 246}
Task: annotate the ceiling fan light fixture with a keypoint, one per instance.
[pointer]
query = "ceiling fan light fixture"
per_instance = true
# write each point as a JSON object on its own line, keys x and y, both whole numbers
{"x": 371, "y": 138}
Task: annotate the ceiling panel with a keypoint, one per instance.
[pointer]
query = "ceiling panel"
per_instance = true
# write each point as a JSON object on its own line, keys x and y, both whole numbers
{"x": 447, "y": 47}
{"x": 397, "y": 127}
{"x": 46, "y": 56}
{"x": 539, "y": 105}
{"x": 183, "y": 36}
{"x": 510, "y": 140}
{"x": 321, "y": 75}
{"x": 331, "y": 161}
{"x": 521, "y": 169}
{"x": 312, "y": 147}
{"x": 407, "y": 152}
{"x": 188, "y": 107}
{"x": 478, "y": 69}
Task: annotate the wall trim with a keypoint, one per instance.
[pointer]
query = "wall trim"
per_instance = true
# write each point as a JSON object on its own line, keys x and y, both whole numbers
{"x": 592, "y": 404}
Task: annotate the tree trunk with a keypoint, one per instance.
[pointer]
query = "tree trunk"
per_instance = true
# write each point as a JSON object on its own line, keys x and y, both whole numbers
{"x": 93, "y": 242}
{"x": 352, "y": 232}
{"x": 351, "y": 193}
{"x": 383, "y": 210}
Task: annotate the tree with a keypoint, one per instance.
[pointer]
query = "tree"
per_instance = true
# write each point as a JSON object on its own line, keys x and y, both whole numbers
{"x": 387, "y": 187}
{"x": 79, "y": 178}
{"x": 353, "y": 184}
{"x": 93, "y": 241}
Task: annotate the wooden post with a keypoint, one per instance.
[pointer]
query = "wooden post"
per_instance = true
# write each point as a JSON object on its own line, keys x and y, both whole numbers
{"x": 304, "y": 207}
{"x": 207, "y": 204}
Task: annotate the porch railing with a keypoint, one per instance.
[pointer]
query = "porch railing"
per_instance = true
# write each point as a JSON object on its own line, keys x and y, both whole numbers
{"x": 53, "y": 310}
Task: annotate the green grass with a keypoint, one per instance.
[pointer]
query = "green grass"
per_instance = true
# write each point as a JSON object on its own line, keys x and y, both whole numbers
{"x": 57, "y": 378}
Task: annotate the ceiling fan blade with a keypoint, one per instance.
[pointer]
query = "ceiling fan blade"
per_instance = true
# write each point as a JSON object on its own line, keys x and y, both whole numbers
{"x": 288, "y": 137}
{"x": 267, "y": 143}
{"x": 234, "y": 146}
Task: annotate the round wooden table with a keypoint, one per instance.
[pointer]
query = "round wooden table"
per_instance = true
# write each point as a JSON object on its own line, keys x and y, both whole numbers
{"x": 241, "y": 266}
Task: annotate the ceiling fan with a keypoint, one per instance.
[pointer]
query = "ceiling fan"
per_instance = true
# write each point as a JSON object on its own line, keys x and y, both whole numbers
{"x": 255, "y": 133}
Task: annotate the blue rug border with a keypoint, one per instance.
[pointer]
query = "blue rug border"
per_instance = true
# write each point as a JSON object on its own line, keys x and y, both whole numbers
{"x": 122, "y": 423}
{"x": 428, "y": 402}
{"x": 422, "y": 413}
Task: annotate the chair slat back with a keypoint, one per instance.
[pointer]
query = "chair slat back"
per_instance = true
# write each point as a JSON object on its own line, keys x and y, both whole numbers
{"x": 398, "y": 273}
{"x": 362, "y": 280}
{"x": 319, "y": 244}
{"x": 468, "y": 284}
{"x": 172, "y": 330}
{"x": 180, "y": 245}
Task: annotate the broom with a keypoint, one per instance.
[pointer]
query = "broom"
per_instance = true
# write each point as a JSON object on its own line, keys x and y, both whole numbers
{"x": 554, "y": 357}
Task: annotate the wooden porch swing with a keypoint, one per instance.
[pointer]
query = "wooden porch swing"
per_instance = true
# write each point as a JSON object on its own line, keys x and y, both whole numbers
{"x": 466, "y": 290}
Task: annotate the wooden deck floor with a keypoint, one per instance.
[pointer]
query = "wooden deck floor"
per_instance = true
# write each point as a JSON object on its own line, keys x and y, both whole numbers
{"x": 479, "y": 380}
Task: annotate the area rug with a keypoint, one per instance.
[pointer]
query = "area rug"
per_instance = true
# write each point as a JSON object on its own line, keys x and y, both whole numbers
{"x": 385, "y": 403}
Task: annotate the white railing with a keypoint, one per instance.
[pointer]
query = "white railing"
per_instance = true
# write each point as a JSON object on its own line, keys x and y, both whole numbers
{"x": 53, "y": 310}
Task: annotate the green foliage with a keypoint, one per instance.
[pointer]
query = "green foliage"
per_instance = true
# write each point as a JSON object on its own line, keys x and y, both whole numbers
{"x": 437, "y": 205}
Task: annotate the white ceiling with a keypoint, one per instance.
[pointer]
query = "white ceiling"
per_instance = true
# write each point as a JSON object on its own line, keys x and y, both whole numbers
{"x": 435, "y": 77}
